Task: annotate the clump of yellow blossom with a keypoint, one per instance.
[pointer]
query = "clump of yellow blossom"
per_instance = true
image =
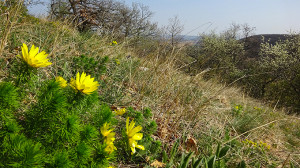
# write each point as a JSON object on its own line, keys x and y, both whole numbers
{"x": 133, "y": 135}
{"x": 120, "y": 111}
{"x": 33, "y": 58}
{"x": 109, "y": 138}
{"x": 255, "y": 144}
{"x": 117, "y": 61}
{"x": 84, "y": 84}
{"x": 113, "y": 43}
{"x": 263, "y": 144}
{"x": 62, "y": 82}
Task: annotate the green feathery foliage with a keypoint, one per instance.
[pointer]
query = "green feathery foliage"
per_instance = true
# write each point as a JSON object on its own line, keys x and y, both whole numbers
{"x": 18, "y": 151}
{"x": 9, "y": 97}
{"x": 48, "y": 117}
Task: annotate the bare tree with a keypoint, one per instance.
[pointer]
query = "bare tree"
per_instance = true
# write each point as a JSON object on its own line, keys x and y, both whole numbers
{"x": 238, "y": 31}
{"x": 233, "y": 32}
{"x": 247, "y": 31}
{"x": 106, "y": 16}
{"x": 174, "y": 29}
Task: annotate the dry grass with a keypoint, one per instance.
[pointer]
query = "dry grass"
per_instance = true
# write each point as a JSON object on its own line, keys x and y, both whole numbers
{"x": 190, "y": 105}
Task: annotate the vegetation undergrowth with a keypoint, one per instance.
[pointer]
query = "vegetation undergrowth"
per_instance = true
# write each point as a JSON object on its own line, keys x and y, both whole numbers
{"x": 145, "y": 112}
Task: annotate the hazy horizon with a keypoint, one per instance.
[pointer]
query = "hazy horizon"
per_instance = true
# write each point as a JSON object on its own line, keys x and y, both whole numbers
{"x": 267, "y": 16}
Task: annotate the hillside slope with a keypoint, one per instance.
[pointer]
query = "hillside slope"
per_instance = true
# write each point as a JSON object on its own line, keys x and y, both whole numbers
{"x": 201, "y": 114}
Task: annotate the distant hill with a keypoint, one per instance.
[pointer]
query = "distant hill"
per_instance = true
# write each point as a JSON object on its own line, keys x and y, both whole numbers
{"x": 191, "y": 39}
{"x": 252, "y": 43}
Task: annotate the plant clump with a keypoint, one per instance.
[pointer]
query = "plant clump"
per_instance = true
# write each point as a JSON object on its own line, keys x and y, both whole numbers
{"x": 67, "y": 125}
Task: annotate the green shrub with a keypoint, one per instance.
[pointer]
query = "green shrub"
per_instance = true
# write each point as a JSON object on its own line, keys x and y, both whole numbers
{"x": 218, "y": 56}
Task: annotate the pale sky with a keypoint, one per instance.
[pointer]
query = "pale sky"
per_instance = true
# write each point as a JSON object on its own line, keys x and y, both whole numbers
{"x": 268, "y": 16}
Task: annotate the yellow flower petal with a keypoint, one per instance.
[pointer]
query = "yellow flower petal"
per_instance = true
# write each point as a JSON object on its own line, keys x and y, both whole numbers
{"x": 62, "y": 82}
{"x": 25, "y": 52}
{"x": 33, "y": 51}
{"x": 73, "y": 83}
{"x": 127, "y": 125}
{"x": 134, "y": 131}
{"x": 140, "y": 147}
{"x": 131, "y": 125}
{"x": 137, "y": 136}
{"x": 133, "y": 150}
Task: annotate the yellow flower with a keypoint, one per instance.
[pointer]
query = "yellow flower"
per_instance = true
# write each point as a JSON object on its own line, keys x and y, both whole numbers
{"x": 133, "y": 136}
{"x": 84, "y": 84}
{"x": 113, "y": 43}
{"x": 120, "y": 111}
{"x": 105, "y": 130}
{"x": 110, "y": 148}
{"x": 109, "y": 138}
{"x": 34, "y": 58}
{"x": 255, "y": 144}
{"x": 117, "y": 61}
{"x": 62, "y": 82}
{"x": 263, "y": 144}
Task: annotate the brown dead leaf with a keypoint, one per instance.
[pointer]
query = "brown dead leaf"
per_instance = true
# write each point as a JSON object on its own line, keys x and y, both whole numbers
{"x": 191, "y": 144}
{"x": 158, "y": 164}
{"x": 112, "y": 107}
{"x": 103, "y": 77}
